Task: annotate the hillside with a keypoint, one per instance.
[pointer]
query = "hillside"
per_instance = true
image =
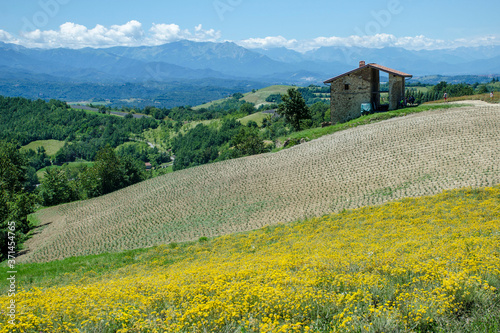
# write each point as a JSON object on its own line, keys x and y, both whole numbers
{"x": 258, "y": 97}
{"x": 50, "y": 146}
{"x": 409, "y": 156}
{"x": 426, "y": 264}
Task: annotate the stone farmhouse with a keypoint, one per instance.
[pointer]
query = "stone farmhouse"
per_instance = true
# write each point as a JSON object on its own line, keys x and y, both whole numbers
{"x": 359, "y": 90}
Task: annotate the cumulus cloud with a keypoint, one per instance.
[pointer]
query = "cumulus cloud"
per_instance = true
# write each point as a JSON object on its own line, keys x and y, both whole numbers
{"x": 166, "y": 33}
{"x": 373, "y": 41}
{"x": 72, "y": 35}
{"x": 269, "y": 43}
{"x": 6, "y": 37}
{"x": 201, "y": 35}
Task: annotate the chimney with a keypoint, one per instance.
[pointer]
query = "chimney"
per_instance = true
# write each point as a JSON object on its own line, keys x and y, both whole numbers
{"x": 362, "y": 63}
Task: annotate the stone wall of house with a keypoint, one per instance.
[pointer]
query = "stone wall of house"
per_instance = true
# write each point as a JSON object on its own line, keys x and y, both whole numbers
{"x": 396, "y": 90}
{"x": 350, "y": 91}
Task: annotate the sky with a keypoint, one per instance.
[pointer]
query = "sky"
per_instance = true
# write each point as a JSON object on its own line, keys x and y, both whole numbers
{"x": 297, "y": 25}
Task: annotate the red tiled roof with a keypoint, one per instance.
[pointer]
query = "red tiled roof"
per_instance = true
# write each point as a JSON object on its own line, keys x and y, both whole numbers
{"x": 376, "y": 66}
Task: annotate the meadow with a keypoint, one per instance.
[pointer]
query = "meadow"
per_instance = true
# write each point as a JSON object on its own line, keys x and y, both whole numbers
{"x": 258, "y": 97}
{"x": 73, "y": 166}
{"x": 51, "y": 146}
{"x": 408, "y": 156}
{"x": 427, "y": 264}
{"x": 258, "y": 117}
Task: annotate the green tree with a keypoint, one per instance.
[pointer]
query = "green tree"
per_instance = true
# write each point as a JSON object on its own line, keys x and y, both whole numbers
{"x": 133, "y": 170}
{"x": 109, "y": 173}
{"x": 55, "y": 188}
{"x": 319, "y": 112}
{"x": 109, "y": 170}
{"x": 482, "y": 89}
{"x": 89, "y": 184}
{"x": 247, "y": 108}
{"x": 12, "y": 168}
{"x": 15, "y": 203}
{"x": 293, "y": 108}
{"x": 248, "y": 141}
{"x": 238, "y": 95}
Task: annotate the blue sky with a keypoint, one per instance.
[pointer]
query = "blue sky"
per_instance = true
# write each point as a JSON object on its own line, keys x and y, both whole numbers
{"x": 300, "y": 25}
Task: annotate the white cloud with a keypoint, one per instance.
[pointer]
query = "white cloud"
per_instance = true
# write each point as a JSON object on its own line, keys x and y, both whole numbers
{"x": 165, "y": 33}
{"x": 269, "y": 43}
{"x": 373, "y": 41}
{"x": 6, "y": 37}
{"x": 72, "y": 35}
{"x": 201, "y": 35}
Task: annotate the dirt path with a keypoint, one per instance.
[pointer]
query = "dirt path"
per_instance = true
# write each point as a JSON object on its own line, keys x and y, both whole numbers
{"x": 476, "y": 103}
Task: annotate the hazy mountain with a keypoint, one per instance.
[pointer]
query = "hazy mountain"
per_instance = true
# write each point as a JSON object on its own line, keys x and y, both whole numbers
{"x": 37, "y": 73}
{"x": 282, "y": 54}
{"x": 227, "y": 58}
{"x": 190, "y": 60}
{"x": 336, "y": 60}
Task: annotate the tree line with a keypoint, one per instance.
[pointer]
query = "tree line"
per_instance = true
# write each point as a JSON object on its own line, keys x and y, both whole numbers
{"x": 437, "y": 91}
{"x": 19, "y": 198}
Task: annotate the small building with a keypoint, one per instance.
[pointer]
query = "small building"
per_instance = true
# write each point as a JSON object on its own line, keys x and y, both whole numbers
{"x": 148, "y": 166}
{"x": 359, "y": 89}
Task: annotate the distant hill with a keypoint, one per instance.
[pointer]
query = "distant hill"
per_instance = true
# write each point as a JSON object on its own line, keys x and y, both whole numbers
{"x": 416, "y": 155}
{"x": 258, "y": 97}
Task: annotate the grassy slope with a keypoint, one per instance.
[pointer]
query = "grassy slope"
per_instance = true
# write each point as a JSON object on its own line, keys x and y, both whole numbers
{"x": 258, "y": 117}
{"x": 259, "y": 97}
{"x": 162, "y": 137}
{"x": 420, "y": 264}
{"x": 72, "y": 165}
{"x": 407, "y": 156}
{"x": 51, "y": 146}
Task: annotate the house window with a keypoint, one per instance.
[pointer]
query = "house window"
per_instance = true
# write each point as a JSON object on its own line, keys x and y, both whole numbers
{"x": 346, "y": 86}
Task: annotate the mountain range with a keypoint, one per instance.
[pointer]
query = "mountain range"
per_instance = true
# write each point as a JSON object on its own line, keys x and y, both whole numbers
{"x": 223, "y": 64}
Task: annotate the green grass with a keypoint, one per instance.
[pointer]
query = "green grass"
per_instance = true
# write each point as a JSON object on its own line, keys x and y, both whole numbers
{"x": 257, "y": 117}
{"x": 257, "y": 98}
{"x": 65, "y": 271}
{"x": 51, "y": 146}
{"x": 192, "y": 124}
{"x": 72, "y": 165}
{"x": 163, "y": 171}
{"x": 314, "y": 133}
{"x": 138, "y": 144}
{"x": 419, "y": 89}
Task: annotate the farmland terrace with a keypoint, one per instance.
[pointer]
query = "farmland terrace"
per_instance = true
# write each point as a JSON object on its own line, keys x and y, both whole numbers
{"x": 415, "y": 155}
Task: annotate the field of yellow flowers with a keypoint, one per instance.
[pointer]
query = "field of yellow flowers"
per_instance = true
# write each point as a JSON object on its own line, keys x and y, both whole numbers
{"x": 428, "y": 264}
